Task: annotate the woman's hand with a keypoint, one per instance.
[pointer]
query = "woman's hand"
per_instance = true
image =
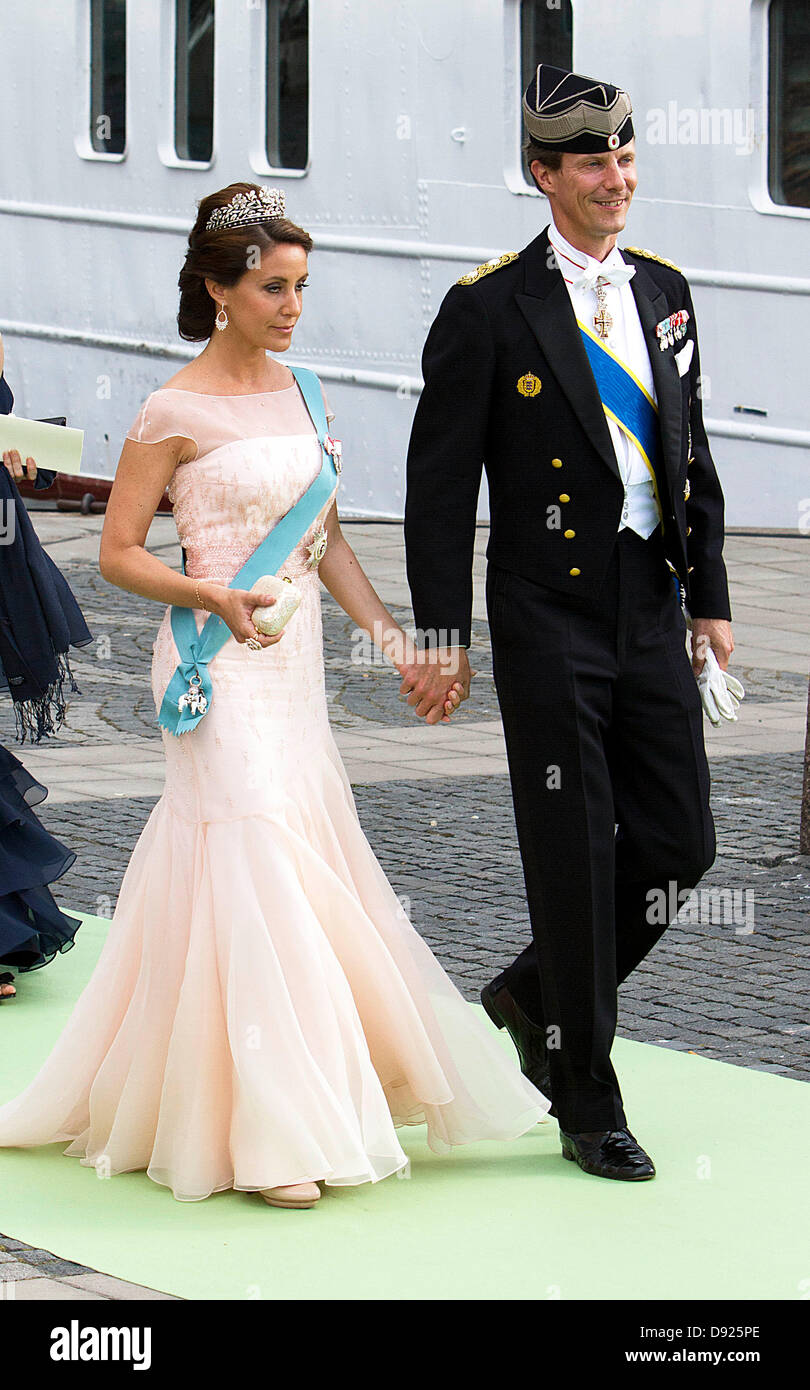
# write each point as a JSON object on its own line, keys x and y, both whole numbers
{"x": 454, "y": 699}
{"x": 235, "y": 608}
{"x": 13, "y": 462}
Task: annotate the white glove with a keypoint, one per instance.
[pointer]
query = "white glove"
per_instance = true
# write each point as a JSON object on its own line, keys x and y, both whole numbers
{"x": 720, "y": 693}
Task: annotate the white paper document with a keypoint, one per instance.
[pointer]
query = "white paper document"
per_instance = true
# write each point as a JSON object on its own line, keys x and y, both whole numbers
{"x": 50, "y": 446}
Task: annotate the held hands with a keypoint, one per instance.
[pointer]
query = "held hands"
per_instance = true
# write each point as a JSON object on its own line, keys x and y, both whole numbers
{"x": 235, "y": 608}
{"x": 436, "y": 682}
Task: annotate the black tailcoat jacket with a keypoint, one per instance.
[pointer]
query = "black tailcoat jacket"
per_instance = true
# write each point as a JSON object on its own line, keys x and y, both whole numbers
{"x": 538, "y": 449}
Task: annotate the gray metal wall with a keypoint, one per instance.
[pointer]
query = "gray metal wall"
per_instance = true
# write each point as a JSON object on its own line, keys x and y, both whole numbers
{"x": 414, "y": 177}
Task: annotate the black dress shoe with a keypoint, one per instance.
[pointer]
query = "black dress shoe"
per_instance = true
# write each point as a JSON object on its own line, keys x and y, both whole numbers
{"x": 608, "y": 1153}
{"x": 529, "y": 1039}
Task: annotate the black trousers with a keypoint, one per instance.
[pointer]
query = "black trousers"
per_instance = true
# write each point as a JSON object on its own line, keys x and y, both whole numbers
{"x": 610, "y": 784}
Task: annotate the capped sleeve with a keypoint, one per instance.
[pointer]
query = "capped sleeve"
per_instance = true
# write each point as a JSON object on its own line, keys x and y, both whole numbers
{"x": 159, "y": 419}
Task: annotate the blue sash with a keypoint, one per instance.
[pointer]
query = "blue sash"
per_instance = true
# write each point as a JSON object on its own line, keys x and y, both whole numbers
{"x": 625, "y": 400}
{"x": 197, "y": 649}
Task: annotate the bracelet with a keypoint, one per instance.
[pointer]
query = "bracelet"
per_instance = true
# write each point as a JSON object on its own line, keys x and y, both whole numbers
{"x": 200, "y": 603}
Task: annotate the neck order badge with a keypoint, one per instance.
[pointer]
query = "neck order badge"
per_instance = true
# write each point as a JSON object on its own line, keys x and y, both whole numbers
{"x": 189, "y": 692}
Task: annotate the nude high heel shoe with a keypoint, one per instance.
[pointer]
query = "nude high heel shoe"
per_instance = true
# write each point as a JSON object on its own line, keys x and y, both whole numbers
{"x": 300, "y": 1195}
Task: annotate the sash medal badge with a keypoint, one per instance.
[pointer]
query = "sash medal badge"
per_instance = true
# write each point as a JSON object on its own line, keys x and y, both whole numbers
{"x": 335, "y": 448}
{"x": 317, "y": 549}
{"x": 193, "y": 697}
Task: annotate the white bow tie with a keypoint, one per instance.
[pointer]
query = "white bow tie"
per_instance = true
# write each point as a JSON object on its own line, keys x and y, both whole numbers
{"x": 617, "y": 275}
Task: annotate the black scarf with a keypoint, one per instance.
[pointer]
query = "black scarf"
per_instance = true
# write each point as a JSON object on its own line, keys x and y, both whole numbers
{"x": 39, "y": 616}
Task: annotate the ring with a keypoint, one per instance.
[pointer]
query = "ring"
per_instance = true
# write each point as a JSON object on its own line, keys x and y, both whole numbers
{"x": 254, "y": 645}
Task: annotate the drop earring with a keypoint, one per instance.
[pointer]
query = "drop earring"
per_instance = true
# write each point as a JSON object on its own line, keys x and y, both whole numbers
{"x": 221, "y": 319}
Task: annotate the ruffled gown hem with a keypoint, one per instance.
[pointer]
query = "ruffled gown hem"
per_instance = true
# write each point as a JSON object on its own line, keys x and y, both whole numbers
{"x": 328, "y": 1180}
{"x": 373, "y": 1173}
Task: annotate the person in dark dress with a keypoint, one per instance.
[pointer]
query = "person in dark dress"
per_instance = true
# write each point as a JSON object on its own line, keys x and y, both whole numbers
{"x": 39, "y": 621}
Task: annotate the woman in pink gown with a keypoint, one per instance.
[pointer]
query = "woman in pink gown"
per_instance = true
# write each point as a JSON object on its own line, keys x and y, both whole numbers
{"x": 263, "y": 1016}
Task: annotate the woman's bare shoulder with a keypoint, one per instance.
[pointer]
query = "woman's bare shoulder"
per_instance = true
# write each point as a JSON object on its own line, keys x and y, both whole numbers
{"x": 185, "y": 380}
{"x": 199, "y": 379}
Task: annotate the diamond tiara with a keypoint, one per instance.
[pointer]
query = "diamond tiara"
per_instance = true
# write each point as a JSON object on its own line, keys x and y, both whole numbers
{"x": 244, "y": 208}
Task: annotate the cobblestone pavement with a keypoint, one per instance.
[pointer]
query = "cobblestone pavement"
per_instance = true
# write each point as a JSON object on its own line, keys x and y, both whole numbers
{"x": 460, "y": 847}
{"x": 734, "y": 988}
{"x": 732, "y": 984}
{"x": 116, "y": 698}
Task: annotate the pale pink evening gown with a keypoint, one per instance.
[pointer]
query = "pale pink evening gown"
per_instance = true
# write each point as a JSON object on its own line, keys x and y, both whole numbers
{"x": 262, "y": 1011}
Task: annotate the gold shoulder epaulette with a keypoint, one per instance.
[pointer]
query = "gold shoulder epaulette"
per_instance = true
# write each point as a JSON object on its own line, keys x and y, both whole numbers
{"x": 487, "y": 268}
{"x": 651, "y": 256}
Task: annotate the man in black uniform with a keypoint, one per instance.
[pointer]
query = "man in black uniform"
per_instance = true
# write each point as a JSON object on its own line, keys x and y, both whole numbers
{"x": 571, "y": 371}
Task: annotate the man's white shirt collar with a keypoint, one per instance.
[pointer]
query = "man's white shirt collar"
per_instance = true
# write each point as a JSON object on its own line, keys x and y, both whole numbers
{"x": 575, "y": 264}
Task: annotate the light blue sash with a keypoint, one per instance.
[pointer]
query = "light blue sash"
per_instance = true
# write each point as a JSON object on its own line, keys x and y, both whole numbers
{"x": 197, "y": 649}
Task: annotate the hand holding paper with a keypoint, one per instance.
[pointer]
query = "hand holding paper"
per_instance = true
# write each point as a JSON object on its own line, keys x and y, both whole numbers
{"x": 23, "y": 471}
{"x": 51, "y": 446}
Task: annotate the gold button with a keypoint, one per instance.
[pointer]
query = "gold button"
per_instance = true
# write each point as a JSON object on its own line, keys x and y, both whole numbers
{"x": 569, "y": 535}
{"x": 689, "y": 571}
{"x": 564, "y": 497}
{"x": 575, "y": 571}
{"x": 556, "y": 463}
{"x": 689, "y": 530}
{"x": 687, "y": 490}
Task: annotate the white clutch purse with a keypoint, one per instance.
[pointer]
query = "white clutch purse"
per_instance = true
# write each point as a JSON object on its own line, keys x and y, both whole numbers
{"x": 271, "y": 620}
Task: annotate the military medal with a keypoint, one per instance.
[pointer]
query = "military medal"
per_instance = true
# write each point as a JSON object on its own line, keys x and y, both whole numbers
{"x": 602, "y": 320}
{"x": 335, "y": 449}
{"x": 317, "y": 549}
{"x": 671, "y": 328}
{"x": 529, "y": 384}
{"x": 193, "y": 698}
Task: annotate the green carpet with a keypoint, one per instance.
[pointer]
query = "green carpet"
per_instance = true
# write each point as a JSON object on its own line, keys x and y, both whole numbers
{"x": 726, "y": 1216}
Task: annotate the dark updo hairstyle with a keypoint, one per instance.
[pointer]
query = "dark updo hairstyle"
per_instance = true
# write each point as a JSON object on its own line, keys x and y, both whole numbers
{"x": 222, "y": 256}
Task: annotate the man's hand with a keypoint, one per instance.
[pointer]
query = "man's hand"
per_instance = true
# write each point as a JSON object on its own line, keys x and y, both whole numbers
{"x": 714, "y": 633}
{"x": 430, "y": 678}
